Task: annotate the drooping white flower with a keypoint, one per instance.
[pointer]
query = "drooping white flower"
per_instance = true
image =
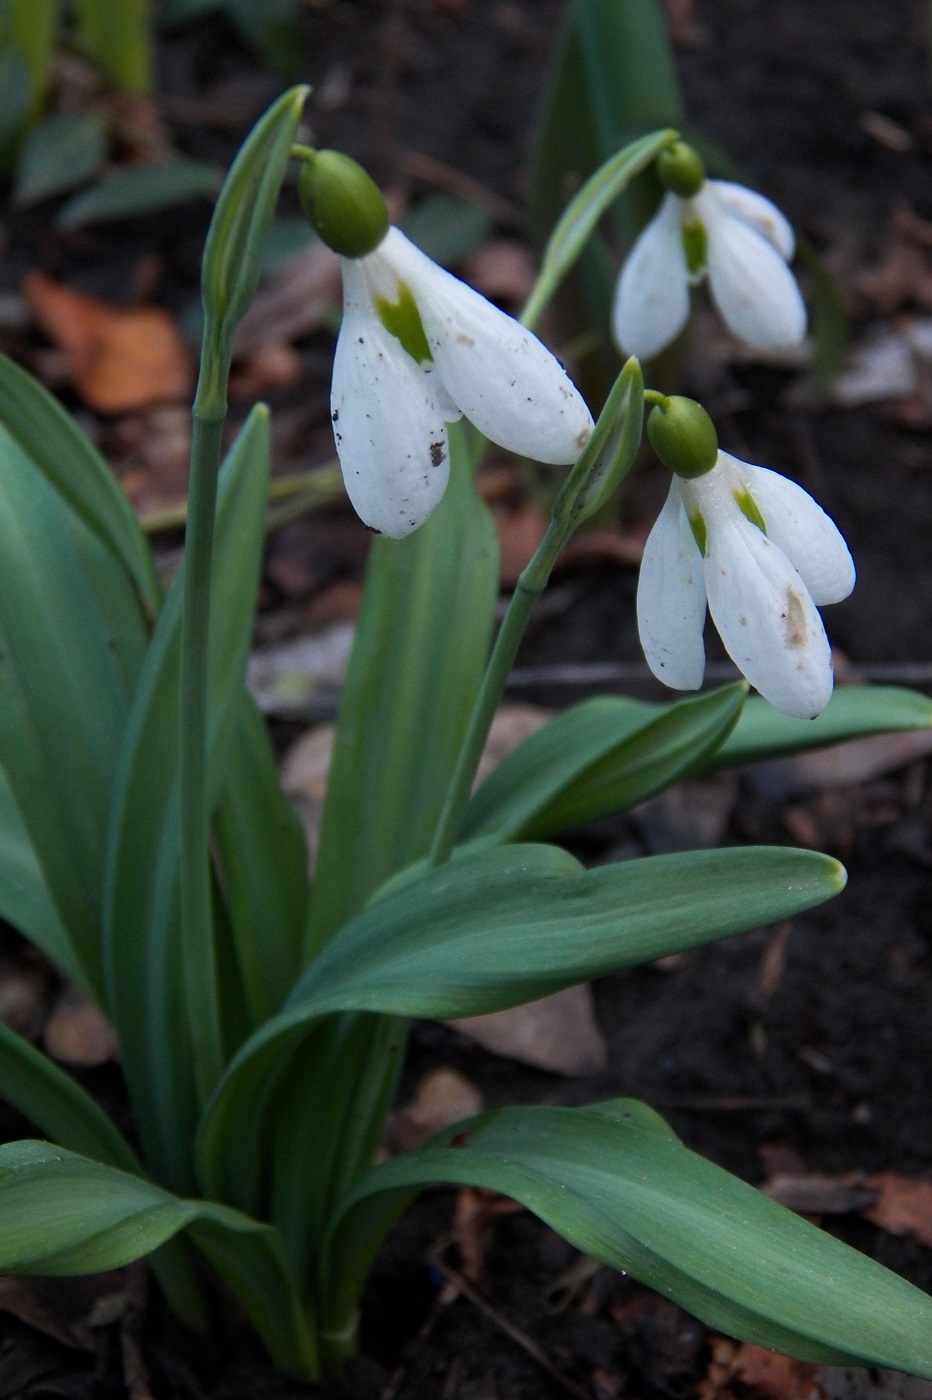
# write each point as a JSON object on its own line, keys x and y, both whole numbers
{"x": 391, "y": 402}
{"x": 763, "y": 555}
{"x": 733, "y": 237}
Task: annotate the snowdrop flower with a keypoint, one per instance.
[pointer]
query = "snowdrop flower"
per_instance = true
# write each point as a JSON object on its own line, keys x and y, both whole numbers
{"x": 418, "y": 349}
{"x": 762, "y": 554}
{"x": 710, "y": 229}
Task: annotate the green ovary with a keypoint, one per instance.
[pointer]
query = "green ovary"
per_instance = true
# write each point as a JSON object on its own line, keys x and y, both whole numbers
{"x": 403, "y": 320}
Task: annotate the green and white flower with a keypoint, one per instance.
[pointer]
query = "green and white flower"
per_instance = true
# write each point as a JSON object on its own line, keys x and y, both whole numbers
{"x": 418, "y": 349}
{"x": 759, "y": 551}
{"x": 733, "y": 237}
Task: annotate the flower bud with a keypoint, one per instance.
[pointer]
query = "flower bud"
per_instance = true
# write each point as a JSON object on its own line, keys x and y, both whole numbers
{"x": 683, "y": 437}
{"x": 342, "y": 203}
{"x": 681, "y": 169}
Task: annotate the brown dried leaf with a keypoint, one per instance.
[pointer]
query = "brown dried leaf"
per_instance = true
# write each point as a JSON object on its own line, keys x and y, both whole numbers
{"x": 501, "y": 270}
{"x": 510, "y": 727}
{"x": 904, "y": 1206}
{"x": 557, "y": 1033}
{"x": 270, "y": 367}
{"x": 22, "y": 992}
{"x": 519, "y": 534}
{"x": 294, "y": 300}
{"x": 77, "y": 1033}
{"x": 736, "y": 1368}
{"x": 119, "y": 361}
{"x": 815, "y": 1193}
{"x": 441, "y": 1098}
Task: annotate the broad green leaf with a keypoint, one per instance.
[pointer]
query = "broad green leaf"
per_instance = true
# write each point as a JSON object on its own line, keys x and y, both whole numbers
{"x": 32, "y": 25}
{"x": 600, "y": 757}
{"x": 447, "y": 227}
{"x": 494, "y": 929}
{"x": 115, "y": 36}
{"x": 59, "y": 153}
{"x": 70, "y": 643}
{"x": 58, "y": 1105}
{"x": 141, "y": 909}
{"x": 25, "y": 899}
{"x": 852, "y": 713}
{"x": 75, "y": 469}
{"x": 263, "y": 853}
{"x": 404, "y": 709}
{"x": 61, "y": 1213}
{"x": 421, "y": 644}
{"x": 15, "y": 99}
{"x": 617, "y": 1184}
{"x": 141, "y": 190}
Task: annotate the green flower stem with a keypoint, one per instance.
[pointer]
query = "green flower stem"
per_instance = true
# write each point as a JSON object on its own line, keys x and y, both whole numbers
{"x": 197, "y": 934}
{"x": 530, "y": 585}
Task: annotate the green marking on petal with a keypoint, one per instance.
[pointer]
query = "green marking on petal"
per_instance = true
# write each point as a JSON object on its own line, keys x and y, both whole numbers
{"x": 748, "y": 507}
{"x": 403, "y": 320}
{"x": 697, "y": 525}
{"x": 695, "y": 245}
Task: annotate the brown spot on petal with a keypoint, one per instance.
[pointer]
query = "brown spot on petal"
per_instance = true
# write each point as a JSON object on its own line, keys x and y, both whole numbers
{"x": 464, "y": 339}
{"x": 436, "y": 454}
{"x": 794, "y": 621}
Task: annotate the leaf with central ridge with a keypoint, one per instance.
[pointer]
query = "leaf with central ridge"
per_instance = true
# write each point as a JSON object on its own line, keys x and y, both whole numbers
{"x": 494, "y": 929}
{"x": 852, "y": 713}
{"x": 421, "y": 644}
{"x": 71, "y": 642}
{"x": 63, "y": 1214}
{"x": 615, "y": 1181}
{"x": 54, "y": 443}
{"x": 141, "y": 915}
{"x": 601, "y": 757}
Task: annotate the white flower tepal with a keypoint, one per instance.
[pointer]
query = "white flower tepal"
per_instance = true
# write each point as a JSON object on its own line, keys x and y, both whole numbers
{"x": 762, "y": 554}
{"x": 390, "y": 405}
{"x": 733, "y": 237}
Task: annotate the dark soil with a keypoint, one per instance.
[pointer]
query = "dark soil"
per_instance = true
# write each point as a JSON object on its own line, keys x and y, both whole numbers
{"x": 823, "y": 1067}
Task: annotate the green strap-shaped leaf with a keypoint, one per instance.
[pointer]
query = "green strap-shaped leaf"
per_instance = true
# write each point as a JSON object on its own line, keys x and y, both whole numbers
{"x": 141, "y": 190}
{"x": 115, "y": 36}
{"x": 494, "y": 929}
{"x": 25, "y": 899}
{"x": 852, "y": 713}
{"x": 71, "y": 637}
{"x": 63, "y": 1214}
{"x": 421, "y": 644}
{"x": 620, "y": 1186}
{"x": 263, "y": 853}
{"x": 75, "y": 469}
{"x": 57, "y": 1104}
{"x": 141, "y": 912}
{"x": 60, "y": 153}
{"x": 600, "y": 757}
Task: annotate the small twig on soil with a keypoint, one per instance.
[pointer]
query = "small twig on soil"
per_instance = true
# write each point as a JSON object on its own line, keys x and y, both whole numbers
{"x": 522, "y": 1339}
{"x": 431, "y": 171}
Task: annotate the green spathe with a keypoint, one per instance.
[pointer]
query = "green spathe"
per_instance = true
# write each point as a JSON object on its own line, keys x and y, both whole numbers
{"x": 682, "y": 435}
{"x": 341, "y": 202}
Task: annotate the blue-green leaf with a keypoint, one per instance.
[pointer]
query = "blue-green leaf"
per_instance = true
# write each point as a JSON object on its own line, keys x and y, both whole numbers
{"x": 61, "y": 1213}
{"x": 141, "y": 910}
{"x": 615, "y": 1181}
{"x": 141, "y": 190}
{"x": 600, "y": 757}
{"x": 59, "y": 153}
{"x": 494, "y": 929}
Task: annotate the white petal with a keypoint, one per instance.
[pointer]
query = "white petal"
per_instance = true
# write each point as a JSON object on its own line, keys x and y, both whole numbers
{"x": 498, "y": 373}
{"x": 765, "y": 616}
{"x": 671, "y": 599}
{"x": 751, "y": 285}
{"x": 757, "y": 211}
{"x": 389, "y": 428}
{"x": 801, "y": 529}
{"x": 651, "y": 304}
